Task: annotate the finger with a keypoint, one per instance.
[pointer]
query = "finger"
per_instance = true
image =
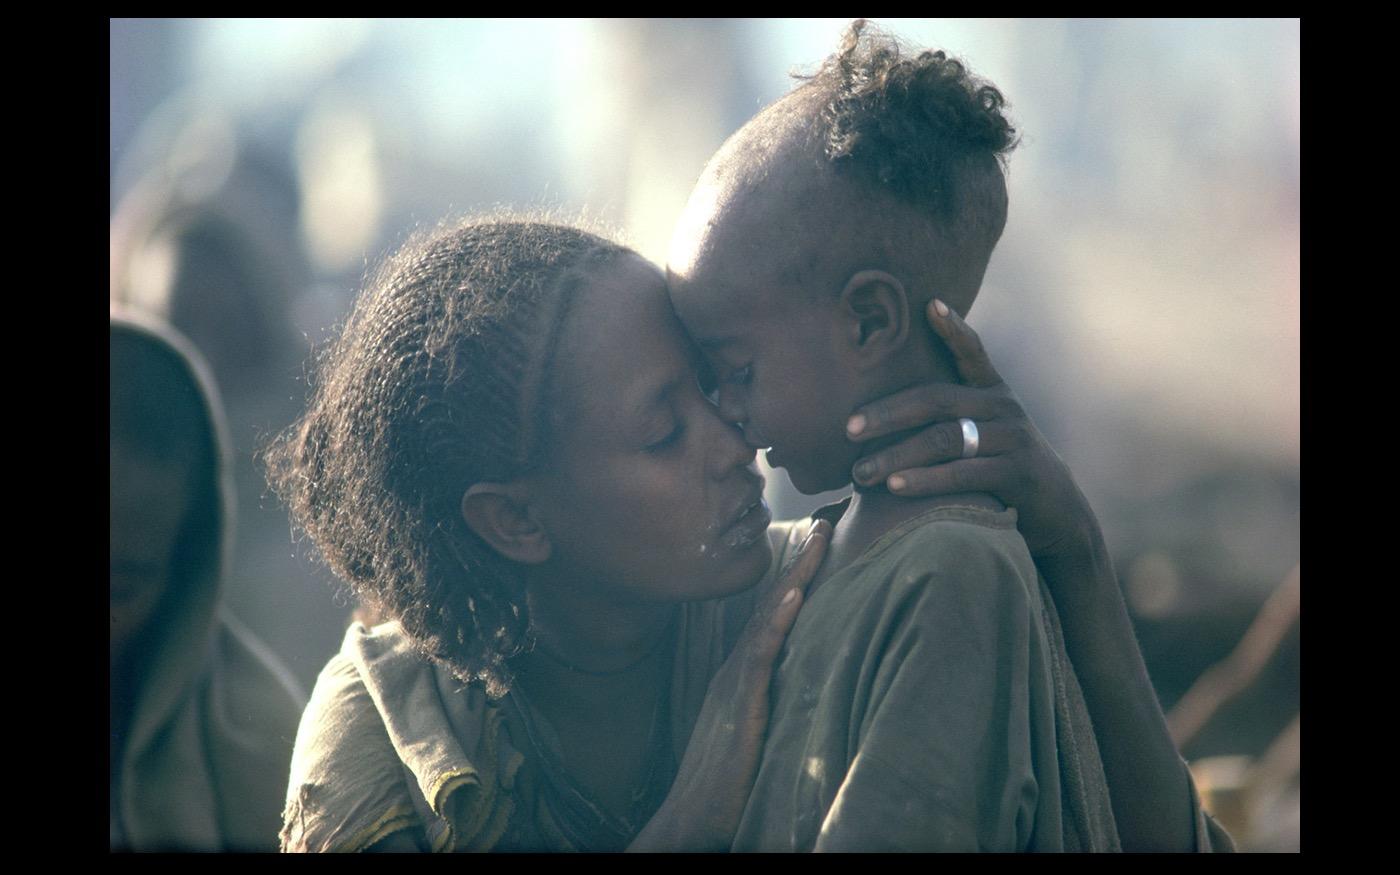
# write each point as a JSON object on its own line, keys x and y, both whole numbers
{"x": 996, "y": 476}
{"x": 974, "y": 366}
{"x": 796, "y": 575}
{"x": 925, "y": 404}
{"x": 936, "y": 445}
{"x": 769, "y": 637}
{"x": 802, "y": 567}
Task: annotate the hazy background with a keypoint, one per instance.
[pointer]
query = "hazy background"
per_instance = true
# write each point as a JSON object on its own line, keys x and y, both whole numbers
{"x": 1144, "y": 301}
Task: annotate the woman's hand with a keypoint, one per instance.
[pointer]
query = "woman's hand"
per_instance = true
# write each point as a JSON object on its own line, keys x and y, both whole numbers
{"x": 1013, "y": 460}
{"x": 716, "y": 774}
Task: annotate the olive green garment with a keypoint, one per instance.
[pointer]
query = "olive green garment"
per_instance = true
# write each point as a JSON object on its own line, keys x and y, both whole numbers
{"x": 915, "y": 706}
{"x": 394, "y": 754}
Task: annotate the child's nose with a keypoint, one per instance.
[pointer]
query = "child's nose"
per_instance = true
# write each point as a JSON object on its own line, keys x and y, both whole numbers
{"x": 731, "y": 406}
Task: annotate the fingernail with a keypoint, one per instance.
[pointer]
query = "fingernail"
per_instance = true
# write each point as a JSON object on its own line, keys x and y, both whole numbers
{"x": 865, "y": 470}
{"x": 896, "y": 483}
{"x": 791, "y": 594}
{"x": 856, "y": 424}
{"x": 940, "y": 308}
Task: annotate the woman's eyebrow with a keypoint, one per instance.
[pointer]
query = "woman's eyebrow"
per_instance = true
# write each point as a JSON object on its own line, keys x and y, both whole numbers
{"x": 656, "y": 398}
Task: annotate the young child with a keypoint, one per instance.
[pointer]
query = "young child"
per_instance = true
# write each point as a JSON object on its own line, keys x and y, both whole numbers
{"x": 924, "y": 701}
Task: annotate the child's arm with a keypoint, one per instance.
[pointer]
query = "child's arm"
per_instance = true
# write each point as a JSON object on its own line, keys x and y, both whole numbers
{"x": 1146, "y": 775}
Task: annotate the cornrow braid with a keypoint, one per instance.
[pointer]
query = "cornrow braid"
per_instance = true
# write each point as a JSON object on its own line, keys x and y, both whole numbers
{"x": 439, "y": 379}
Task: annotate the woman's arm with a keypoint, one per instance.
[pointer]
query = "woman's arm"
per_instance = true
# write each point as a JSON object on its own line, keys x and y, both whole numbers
{"x": 1148, "y": 781}
{"x": 703, "y": 808}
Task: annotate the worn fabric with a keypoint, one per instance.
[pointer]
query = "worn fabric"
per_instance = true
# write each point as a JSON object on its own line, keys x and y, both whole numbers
{"x": 921, "y": 704}
{"x": 201, "y": 763}
{"x": 394, "y": 753}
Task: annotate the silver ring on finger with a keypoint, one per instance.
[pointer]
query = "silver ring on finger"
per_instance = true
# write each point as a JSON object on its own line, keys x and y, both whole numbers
{"x": 970, "y": 437}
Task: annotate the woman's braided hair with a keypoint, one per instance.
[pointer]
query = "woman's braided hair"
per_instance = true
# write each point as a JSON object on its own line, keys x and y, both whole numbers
{"x": 438, "y": 380}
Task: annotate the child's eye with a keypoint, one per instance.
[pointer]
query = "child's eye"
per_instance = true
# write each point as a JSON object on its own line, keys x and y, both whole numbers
{"x": 709, "y": 386}
{"x": 669, "y": 440}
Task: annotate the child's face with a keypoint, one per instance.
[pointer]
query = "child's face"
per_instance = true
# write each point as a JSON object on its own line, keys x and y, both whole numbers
{"x": 778, "y": 370}
{"x": 647, "y": 488}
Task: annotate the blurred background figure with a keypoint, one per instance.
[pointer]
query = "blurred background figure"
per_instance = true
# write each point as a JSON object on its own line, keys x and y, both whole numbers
{"x": 207, "y": 239}
{"x": 1154, "y": 201}
{"x": 202, "y": 715}
{"x": 1241, "y": 726}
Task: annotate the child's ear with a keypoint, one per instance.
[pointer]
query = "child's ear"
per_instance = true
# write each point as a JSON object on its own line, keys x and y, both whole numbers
{"x": 876, "y": 310}
{"x": 503, "y": 516}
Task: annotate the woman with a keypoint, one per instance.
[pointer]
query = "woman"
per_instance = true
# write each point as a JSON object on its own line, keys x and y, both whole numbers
{"x": 509, "y": 453}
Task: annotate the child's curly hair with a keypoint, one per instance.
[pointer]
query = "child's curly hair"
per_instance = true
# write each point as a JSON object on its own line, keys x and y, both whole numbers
{"x": 919, "y": 126}
{"x": 438, "y": 380}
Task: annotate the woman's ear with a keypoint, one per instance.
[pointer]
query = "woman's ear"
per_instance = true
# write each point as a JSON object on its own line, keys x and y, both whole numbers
{"x": 503, "y": 516}
{"x": 876, "y": 310}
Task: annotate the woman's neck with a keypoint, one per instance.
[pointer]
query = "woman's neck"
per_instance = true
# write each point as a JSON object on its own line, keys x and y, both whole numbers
{"x": 598, "y": 674}
{"x": 596, "y": 634}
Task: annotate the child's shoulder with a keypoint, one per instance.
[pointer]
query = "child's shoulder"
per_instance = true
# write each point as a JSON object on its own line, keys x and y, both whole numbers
{"x": 964, "y": 553}
{"x": 955, "y": 533}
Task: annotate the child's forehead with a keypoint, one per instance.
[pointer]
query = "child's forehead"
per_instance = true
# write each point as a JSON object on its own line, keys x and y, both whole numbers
{"x": 741, "y": 312}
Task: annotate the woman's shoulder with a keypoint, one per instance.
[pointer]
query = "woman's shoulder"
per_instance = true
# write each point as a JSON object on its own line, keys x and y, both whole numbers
{"x": 390, "y": 743}
{"x": 347, "y": 788}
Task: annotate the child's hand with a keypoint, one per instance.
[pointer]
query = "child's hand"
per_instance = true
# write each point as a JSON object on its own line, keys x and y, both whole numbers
{"x": 1012, "y": 462}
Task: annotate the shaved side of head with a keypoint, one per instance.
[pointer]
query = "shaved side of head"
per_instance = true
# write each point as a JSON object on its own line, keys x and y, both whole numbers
{"x": 883, "y": 158}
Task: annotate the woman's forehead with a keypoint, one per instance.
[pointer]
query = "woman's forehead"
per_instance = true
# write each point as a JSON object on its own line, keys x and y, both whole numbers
{"x": 623, "y": 348}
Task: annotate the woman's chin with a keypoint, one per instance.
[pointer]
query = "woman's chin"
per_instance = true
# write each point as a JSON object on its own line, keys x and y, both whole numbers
{"x": 726, "y": 569}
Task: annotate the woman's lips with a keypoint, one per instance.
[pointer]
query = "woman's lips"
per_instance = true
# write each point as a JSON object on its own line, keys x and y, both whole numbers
{"x": 749, "y": 527}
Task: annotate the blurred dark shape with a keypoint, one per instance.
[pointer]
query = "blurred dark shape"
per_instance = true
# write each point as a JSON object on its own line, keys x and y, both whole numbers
{"x": 209, "y": 240}
{"x": 202, "y": 716}
{"x": 1240, "y": 705}
{"x": 1201, "y": 535}
{"x": 1240, "y": 725}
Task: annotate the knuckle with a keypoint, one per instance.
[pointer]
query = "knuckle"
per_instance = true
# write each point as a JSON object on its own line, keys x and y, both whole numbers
{"x": 935, "y": 400}
{"x": 937, "y": 404}
{"x": 876, "y": 415}
{"x": 939, "y": 441}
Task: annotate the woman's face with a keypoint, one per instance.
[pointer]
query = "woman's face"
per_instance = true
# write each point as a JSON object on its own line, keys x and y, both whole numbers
{"x": 648, "y": 492}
